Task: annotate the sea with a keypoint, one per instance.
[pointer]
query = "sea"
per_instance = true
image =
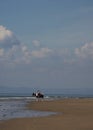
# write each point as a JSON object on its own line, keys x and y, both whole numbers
{"x": 13, "y": 105}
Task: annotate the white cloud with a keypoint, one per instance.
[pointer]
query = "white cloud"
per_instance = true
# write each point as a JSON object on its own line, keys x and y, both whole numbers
{"x": 4, "y": 33}
{"x": 43, "y": 52}
{"x": 36, "y": 43}
{"x": 7, "y": 38}
{"x": 11, "y": 49}
{"x": 86, "y": 51}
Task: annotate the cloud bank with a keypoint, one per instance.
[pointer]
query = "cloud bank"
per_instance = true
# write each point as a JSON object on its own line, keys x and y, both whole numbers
{"x": 13, "y": 51}
{"x": 85, "y": 51}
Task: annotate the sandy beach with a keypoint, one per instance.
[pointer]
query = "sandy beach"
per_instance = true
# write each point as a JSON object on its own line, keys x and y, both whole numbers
{"x": 73, "y": 114}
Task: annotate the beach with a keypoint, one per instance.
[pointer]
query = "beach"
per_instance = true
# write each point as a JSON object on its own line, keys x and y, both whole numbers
{"x": 71, "y": 114}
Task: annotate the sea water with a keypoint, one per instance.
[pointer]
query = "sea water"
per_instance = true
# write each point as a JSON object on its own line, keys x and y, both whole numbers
{"x": 14, "y": 107}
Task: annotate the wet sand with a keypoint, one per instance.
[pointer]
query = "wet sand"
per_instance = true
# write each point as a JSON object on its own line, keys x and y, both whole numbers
{"x": 74, "y": 114}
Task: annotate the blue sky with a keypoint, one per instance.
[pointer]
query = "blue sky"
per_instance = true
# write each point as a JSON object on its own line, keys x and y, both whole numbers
{"x": 46, "y": 44}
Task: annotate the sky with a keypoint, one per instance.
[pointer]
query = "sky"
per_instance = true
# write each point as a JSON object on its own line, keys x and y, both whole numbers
{"x": 46, "y": 45}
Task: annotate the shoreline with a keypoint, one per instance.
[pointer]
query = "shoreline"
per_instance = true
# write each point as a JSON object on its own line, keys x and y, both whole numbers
{"x": 73, "y": 114}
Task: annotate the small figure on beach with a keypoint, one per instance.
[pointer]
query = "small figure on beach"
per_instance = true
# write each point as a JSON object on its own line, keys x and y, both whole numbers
{"x": 38, "y": 94}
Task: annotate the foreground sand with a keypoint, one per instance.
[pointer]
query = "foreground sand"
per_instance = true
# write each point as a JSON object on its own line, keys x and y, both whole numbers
{"x": 74, "y": 114}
